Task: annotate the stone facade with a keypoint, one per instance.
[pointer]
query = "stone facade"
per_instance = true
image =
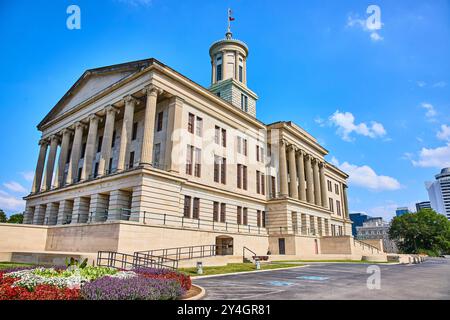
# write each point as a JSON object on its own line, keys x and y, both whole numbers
{"x": 140, "y": 142}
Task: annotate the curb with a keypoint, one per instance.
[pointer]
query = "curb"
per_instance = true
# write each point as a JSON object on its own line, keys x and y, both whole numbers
{"x": 244, "y": 272}
{"x": 197, "y": 297}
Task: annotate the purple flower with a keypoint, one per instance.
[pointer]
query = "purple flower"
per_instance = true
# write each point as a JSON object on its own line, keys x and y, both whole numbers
{"x": 135, "y": 288}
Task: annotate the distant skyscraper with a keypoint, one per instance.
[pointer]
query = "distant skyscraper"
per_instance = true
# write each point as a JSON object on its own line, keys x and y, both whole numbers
{"x": 358, "y": 219}
{"x": 376, "y": 228}
{"x": 423, "y": 205}
{"x": 401, "y": 211}
{"x": 439, "y": 192}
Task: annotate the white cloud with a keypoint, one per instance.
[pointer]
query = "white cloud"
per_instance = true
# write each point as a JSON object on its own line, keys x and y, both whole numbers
{"x": 444, "y": 133}
{"x": 355, "y": 21}
{"x": 434, "y": 158}
{"x": 440, "y": 84}
{"x": 364, "y": 176}
{"x": 15, "y": 187}
{"x": 345, "y": 122}
{"x": 11, "y": 203}
{"x": 28, "y": 175}
{"x": 421, "y": 84}
{"x": 431, "y": 112}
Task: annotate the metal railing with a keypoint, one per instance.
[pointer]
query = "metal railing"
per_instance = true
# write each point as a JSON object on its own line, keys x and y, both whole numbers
{"x": 249, "y": 250}
{"x": 185, "y": 253}
{"x": 366, "y": 245}
{"x": 127, "y": 261}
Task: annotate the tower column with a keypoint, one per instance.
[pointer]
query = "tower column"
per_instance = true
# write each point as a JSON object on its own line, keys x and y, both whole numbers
{"x": 107, "y": 140}
{"x": 54, "y": 141}
{"x": 174, "y": 131}
{"x": 127, "y": 128}
{"x": 283, "y": 169}
{"x": 40, "y": 166}
{"x": 236, "y": 65}
{"x": 309, "y": 179}
{"x": 323, "y": 188}
{"x": 149, "y": 124}
{"x": 63, "y": 154}
{"x": 90, "y": 147}
{"x": 301, "y": 175}
{"x": 292, "y": 173}
{"x": 317, "y": 193}
{"x": 76, "y": 153}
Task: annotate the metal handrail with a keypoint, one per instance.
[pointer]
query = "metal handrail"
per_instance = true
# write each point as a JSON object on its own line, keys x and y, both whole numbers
{"x": 249, "y": 250}
{"x": 127, "y": 261}
{"x": 182, "y": 253}
{"x": 363, "y": 244}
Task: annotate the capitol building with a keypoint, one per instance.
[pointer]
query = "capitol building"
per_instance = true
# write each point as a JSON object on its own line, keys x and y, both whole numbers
{"x": 137, "y": 156}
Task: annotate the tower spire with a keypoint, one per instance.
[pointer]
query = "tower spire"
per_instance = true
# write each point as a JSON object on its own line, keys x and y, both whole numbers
{"x": 229, "y": 34}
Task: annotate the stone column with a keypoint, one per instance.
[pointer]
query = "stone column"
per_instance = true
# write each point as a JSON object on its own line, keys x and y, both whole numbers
{"x": 244, "y": 71}
{"x": 51, "y": 214}
{"x": 283, "y": 169}
{"x": 213, "y": 73}
{"x": 119, "y": 203}
{"x": 98, "y": 207}
{"x": 174, "y": 149}
{"x": 344, "y": 190}
{"x": 137, "y": 202}
{"x": 54, "y": 141}
{"x": 127, "y": 129}
{"x": 323, "y": 187}
{"x": 39, "y": 214}
{"x": 292, "y": 173}
{"x": 317, "y": 193}
{"x": 107, "y": 140}
{"x": 301, "y": 175}
{"x": 40, "y": 166}
{"x": 64, "y": 153}
{"x": 236, "y": 65}
{"x": 309, "y": 179}
{"x": 76, "y": 153}
{"x": 149, "y": 124}
{"x": 90, "y": 147}
{"x": 28, "y": 216}
{"x": 65, "y": 212}
{"x": 80, "y": 212}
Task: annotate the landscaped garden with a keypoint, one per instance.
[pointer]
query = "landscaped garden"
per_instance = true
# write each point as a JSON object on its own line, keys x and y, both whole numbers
{"x": 82, "y": 282}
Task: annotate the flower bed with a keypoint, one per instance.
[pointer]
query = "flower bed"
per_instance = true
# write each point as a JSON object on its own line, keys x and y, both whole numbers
{"x": 91, "y": 283}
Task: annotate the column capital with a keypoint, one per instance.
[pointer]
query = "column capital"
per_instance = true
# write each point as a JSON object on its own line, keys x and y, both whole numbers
{"x": 130, "y": 99}
{"x": 43, "y": 142}
{"x": 110, "y": 109}
{"x": 152, "y": 90}
{"x": 54, "y": 137}
{"x": 322, "y": 164}
{"x": 93, "y": 117}
{"x": 66, "y": 131}
{"x": 308, "y": 157}
{"x": 79, "y": 125}
{"x": 292, "y": 147}
{"x": 283, "y": 142}
{"x": 300, "y": 152}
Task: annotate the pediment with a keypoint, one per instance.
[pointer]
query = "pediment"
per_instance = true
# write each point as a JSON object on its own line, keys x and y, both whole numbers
{"x": 92, "y": 83}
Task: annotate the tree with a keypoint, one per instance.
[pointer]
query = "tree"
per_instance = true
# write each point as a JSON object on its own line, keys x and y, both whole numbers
{"x": 423, "y": 232}
{"x": 16, "y": 218}
{"x": 2, "y": 216}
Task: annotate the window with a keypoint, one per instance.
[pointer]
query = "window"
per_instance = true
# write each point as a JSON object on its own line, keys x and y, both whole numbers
{"x": 218, "y": 94}
{"x": 157, "y": 154}
{"x": 330, "y": 201}
{"x": 244, "y": 102}
{"x": 113, "y": 142}
{"x": 99, "y": 145}
{"x": 96, "y": 170}
{"x": 239, "y": 144}
{"x": 83, "y": 150}
{"x": 336, "y": 189}
{"x": 219, "y": 72}
{"x": 110, "y": 165}
{"x": 273, "y": 190}
{"x": 216, "y": 211}
{"x": 240, "y": 73}
{"x": 239, "y": 176}
{"x": 263, "y": 184}
{"x": 223, "y": 212}
{"x": 258, "y": 218}
{"x": 245, "y": 216}
{"x": 239, "y": 215}
{"x": 69, "y": 155}
{"x": 258, "y": 180}
{"x": 199, "y": 127}
{"x": 330, "y": 189}
{"x": 191, "y": 120}
{"x": 134, "y": 132}
{"x": 263, "y": 215}
{"x": 223, "y": 173}
{"x": 160, "y": 121}
{"x": 217, "y": 135}
{"x": 187, "y": 207}
{"x": 257, "y": 153}
{"x": 242, "y": 146}
{"x": 189, "y": 158}
{"x": 131, "y": 162}
{"x": 224, "y": 138}
{"x": 216, "y": 168}
{"x": 196, "y": 209}
{"x": 245, "y": 147}
{"x": 198, "y": 165}
{"x": 244, "y": 177}
{"x": 79, "y": 173}
{"x": 338, "y": 207}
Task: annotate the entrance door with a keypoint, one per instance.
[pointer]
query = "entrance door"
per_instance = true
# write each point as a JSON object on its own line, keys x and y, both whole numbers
{"x": 281, "y": 246}
{"x": 224, "y": 246}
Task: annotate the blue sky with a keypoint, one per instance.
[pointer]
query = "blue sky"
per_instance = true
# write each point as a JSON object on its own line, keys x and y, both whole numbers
{"x": 379, "y": 100}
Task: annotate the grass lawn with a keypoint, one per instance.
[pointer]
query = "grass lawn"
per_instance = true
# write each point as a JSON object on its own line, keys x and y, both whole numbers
{"x": 236, "y": 267}
{"x": 342, "y": 261}
{"x": 7, "y": 265}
